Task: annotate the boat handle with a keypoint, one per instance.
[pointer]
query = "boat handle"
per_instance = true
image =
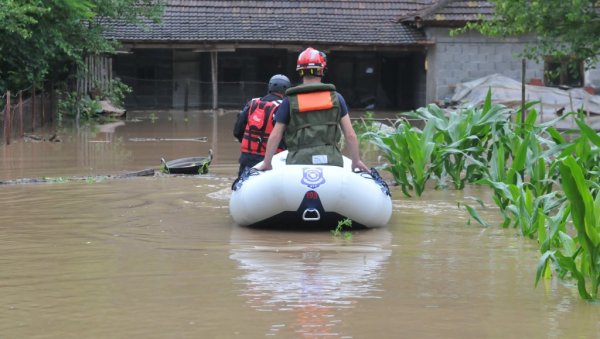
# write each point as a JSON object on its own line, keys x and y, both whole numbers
{"x": 310, "y": 210}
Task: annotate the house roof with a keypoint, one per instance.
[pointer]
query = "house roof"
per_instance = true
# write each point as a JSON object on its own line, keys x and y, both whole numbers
{"x": 451, "y": 13}
{"x": 347, "y": 22}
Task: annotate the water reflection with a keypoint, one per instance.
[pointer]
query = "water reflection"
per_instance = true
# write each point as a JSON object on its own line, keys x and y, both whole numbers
{"x": 312, "y": 277}
{"x": 109, "y": 148}
{"x": 159, "y": 257}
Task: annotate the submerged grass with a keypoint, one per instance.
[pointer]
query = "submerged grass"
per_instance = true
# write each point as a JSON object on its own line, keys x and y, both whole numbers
{"x": 339, "y": 232}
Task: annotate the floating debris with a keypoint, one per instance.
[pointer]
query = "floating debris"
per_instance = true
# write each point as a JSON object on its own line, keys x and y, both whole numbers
{"x": 41, "y": 138}
{"x": 89, "y": 179}
{"x": 201, "y": 139}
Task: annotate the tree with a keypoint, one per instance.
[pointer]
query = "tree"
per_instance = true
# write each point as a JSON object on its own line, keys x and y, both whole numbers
{"x": 564, "y": 28}
{"x": 43, "y": 38}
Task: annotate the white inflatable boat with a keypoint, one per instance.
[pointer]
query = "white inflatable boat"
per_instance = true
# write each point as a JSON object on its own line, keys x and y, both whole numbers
{"x": 309, "y": 196}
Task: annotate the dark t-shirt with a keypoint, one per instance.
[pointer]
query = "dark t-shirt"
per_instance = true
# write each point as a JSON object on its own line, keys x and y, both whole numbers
{"x": 283, "y": 112}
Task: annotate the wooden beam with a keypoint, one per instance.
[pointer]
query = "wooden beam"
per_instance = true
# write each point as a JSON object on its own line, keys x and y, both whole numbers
{"x": 214, "y": 72}
{"x": 130, "y": 46}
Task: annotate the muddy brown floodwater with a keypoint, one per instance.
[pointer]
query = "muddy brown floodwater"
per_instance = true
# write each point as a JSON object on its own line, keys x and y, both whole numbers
{"x": 160, "y": 257}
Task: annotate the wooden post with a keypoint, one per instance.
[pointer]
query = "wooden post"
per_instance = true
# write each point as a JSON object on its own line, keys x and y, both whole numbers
{"x": 86, "y": 75}
{"x": 10, "y": 119}
{"x": 186, "y": 95}
{"x": 7, "y": 119}
{"x": 523, "y": 68}
{"x": 243, "y": 90}
{"x": 4, "y": 118}
{"x": 572, "y": 110}
{"x": 542, "y": 112}
{"x": 215, "y": 78}
{"x": 52, "y": 101}
{"x": 43, "y": 105}
{"x": 21, "y": 133}
{"x": 77, "y": 116}
{"x": 33, "y": 109}
{"x": 585, "y": 105}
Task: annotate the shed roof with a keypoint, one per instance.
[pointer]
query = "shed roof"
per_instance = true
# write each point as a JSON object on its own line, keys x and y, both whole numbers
{"x": 348, "y": 22}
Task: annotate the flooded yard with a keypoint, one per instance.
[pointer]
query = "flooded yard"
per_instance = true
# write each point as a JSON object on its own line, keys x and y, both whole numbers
{"x": 160, "y": 257}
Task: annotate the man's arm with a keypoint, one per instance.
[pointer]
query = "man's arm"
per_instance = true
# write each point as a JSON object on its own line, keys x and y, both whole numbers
{"x": 272, "y": 143}
{"x": 240, "y": 123}
{"x": 352, "y": 143}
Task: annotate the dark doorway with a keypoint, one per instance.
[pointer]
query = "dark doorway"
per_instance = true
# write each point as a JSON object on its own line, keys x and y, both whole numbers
{"x": 375, "y": 80}
{"x": 367, "y": 80}
{"x": 149, "y": 73}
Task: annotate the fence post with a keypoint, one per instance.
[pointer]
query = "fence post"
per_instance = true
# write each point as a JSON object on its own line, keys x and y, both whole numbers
{"x": 4, "y": 118}
{"x": 52, "y": 98}
{"x": 43, "y": 105}
{"x": 4, "y": 122}
{"x": 21, "y": 112}
{"x": 7, "y": 119}
{"x": 33, "y": 110}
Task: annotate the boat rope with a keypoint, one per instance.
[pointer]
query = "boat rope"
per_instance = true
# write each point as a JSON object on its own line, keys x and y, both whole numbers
{"x": 248, "y": 172}
{"x": 374, "y": 175}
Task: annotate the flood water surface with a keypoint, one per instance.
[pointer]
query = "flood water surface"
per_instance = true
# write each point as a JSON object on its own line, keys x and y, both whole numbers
{"x": 160, "y": 257}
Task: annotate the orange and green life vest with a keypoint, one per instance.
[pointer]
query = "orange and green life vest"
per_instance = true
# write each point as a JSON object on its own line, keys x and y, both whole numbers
{"x": 313, "y": 132}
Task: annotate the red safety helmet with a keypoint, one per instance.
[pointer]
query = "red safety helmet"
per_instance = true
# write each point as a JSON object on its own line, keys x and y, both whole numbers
{"x": 311, "y": 62}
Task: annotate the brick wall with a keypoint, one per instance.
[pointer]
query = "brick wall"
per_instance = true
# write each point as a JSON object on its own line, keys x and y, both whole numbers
{"x": 465, "y": 57}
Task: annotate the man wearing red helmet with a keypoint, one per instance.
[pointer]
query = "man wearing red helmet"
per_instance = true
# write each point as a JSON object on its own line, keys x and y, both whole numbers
{"x": 311, "y": 116}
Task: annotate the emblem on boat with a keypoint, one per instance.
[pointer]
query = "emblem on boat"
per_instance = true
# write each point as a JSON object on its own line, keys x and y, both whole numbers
{"x": 312, "y": 177}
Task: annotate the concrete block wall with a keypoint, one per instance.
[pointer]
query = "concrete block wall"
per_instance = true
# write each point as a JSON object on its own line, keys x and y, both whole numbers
{"x": 592, "y": 78}
{"x": 455, "y": 59}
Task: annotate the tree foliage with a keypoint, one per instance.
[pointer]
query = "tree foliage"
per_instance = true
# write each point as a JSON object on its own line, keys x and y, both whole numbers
{"x": 42, "y": 38}
{"x": 564, "y": 28}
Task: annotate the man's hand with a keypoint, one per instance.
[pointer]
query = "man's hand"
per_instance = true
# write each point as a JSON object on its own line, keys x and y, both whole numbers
{"x": 274, "y": 139}
{"x": 264, "y": 167}
{"x": 360, "y": 165}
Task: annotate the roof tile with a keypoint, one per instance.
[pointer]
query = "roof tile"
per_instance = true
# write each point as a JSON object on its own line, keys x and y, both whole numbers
{"x": 371, "y": 22}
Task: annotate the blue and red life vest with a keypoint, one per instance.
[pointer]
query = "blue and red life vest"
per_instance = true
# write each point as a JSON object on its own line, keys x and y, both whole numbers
{"x": 259, "y": 126}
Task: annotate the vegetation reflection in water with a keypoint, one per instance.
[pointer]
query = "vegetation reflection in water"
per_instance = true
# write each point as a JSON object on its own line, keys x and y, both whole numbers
{"x": 545, "y": 182}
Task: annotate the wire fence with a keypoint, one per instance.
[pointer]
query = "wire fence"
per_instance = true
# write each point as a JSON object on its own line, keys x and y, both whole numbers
{"x": 24, "y": 111}
{"x": 190, "y": 93}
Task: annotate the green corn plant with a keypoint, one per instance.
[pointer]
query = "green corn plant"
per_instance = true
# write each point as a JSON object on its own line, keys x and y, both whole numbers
{"x": 588, "y": 150}
{"x": 514, "y": 158}
{"x": 365, "y": 125}
{"x": 522, "y": 208}
{"x": 466, "y": 135}
{"x": 540, "y": 178}
{"x": 585, "y": 148}
{"x": 506, "y": 182}
{"x": 421, "y": 147}
{"x": 408, "y": 152}
{"x": 552, "y": 236}
{"x": 580, "y": 256}
{"x": 395, "y": 152}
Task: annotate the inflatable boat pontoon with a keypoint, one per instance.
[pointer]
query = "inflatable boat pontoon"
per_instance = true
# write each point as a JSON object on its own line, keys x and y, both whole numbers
{"x": 309, "y": 196}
